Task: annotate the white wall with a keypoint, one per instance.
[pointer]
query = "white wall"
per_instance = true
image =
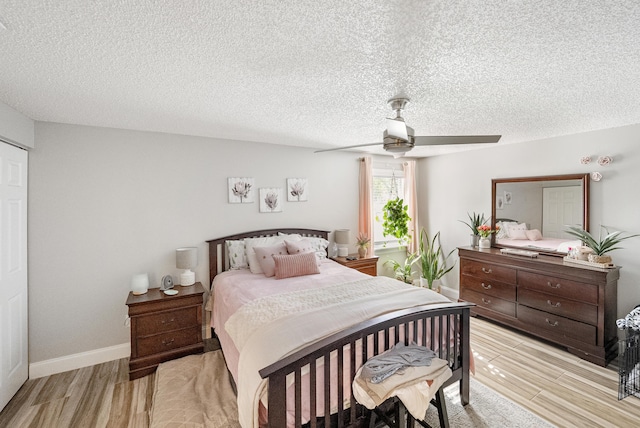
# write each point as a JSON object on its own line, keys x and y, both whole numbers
{"x": 452, "y": 185}
{"x": 15, "y": 127}
{"x": 105, "y": 204}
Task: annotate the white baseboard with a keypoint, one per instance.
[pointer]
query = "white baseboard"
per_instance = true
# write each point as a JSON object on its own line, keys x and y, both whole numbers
{"x": 77, "y": 361}
{"x": 450, "y": 293}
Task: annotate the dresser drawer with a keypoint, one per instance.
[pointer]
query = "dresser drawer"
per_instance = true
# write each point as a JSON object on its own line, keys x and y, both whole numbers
{"x": 167, "y": 341}
{"x": 490, "y": 288}
{"x": 560, "y": 287}
{"x": 488, "y": 271}
{"x": 489, "y": 302}
{"x": 558, "y": 325}
{"x": 166, "y": 321}
{"x": 578, "y": 311}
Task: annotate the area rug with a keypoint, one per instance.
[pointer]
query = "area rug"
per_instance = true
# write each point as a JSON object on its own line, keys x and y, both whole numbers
{"x": 196, "y": 391}
{"x": 487, "y": 408}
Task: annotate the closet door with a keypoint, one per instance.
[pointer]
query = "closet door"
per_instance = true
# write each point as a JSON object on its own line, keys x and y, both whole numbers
{"x": 14, "y": 363}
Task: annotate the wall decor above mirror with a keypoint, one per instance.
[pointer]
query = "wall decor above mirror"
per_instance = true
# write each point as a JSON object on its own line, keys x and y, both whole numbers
{"x": 533, "y": 212}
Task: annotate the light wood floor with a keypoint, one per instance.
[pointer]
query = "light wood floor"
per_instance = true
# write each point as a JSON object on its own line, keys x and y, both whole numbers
{"x": 548, "y": 381}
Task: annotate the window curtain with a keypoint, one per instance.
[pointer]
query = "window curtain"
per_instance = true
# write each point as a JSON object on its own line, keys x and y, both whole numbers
{"x": 365, "y": 224}
{"x": 411, "y": 200}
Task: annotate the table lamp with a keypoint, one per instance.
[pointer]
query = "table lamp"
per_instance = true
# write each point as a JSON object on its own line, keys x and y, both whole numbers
{"x": 139, "y": 284}
{"x": 342, "y": 239}
{"x": 187, "y": 258}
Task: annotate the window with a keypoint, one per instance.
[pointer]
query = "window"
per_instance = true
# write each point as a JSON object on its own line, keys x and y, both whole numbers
{"x": 388, "y": 183}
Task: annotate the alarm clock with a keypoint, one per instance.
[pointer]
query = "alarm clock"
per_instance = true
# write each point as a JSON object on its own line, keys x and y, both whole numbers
{"x": 166, "y": 282}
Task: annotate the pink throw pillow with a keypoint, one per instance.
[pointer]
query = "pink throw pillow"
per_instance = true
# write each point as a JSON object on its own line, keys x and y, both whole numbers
{"x": 299, "y": 247}
{"x": 295, "y": 265}
{"x": 533, "y": 235}
{"x": 265, "y": 257}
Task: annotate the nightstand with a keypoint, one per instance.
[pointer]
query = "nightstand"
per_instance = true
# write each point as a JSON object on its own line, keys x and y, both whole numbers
{"x": 368, "y": 265}
{"x": 164, "y": 327}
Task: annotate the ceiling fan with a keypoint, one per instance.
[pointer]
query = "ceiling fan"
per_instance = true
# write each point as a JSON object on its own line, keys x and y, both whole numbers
{"x": 398, "y": 138}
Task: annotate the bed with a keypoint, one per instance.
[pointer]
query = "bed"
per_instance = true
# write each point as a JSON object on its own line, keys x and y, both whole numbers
{"x": 513, "y": 233}
{"x": 302, "y": 338}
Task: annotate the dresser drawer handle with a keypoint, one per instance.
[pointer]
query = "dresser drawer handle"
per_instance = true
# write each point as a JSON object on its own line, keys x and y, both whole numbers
{"x": 555, "y": 305}
{"x": 485, "y": 301}
{"x": 485, "y": 270}
{"x": 486, "y": 286}
{"x": 167, "y": 342}
{"x": 168, "y": 321}
{"x": 553, "y": 286}
{"x": 552, "y": 324}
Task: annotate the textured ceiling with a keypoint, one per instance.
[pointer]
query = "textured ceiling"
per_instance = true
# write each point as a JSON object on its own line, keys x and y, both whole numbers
{"x": 319, "y": 73}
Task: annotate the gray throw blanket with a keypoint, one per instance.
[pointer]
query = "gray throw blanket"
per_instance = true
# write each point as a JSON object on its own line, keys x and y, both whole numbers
{"x": 380, "y": 367}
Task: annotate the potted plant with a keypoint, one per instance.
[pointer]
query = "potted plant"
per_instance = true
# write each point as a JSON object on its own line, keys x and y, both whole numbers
{"x": 475, "y": 220}
{"x": 485, "y": 232}
{"x": 395, "y": 220}
{"x": 404, "y": 272}
{"x": 599, "y": 246}
{"x": 432, "y": 260}
{"x": 362, "y": 241}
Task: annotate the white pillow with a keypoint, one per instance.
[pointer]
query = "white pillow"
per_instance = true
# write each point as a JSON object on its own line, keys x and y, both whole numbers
{"x": 518, "y": 234}
{"x": 512, "y": 228}
{"x": 251, "y": 243}
{"x": 237, "y": 255}
{"x": 320, "y": 246}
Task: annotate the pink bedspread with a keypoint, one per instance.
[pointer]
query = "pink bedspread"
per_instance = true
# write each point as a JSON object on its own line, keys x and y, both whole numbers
{"x": 232, "y": 290}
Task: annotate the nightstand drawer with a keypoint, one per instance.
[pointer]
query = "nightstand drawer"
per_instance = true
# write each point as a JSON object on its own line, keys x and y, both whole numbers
{"x": 167, "y": 341}
{"x": 167, "y": 321}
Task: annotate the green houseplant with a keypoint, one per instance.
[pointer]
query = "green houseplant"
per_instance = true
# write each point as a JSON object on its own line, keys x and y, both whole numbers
{"x": 432, "y": 259}
{"x": 404, "y": 271}
{"x": 599, "y": 246}
{"x": 395, "y": 220}
{"x": 475, "y": 221}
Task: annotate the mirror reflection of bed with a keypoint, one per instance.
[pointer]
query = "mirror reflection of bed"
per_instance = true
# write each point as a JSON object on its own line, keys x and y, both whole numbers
{"x": 533, "y": 212}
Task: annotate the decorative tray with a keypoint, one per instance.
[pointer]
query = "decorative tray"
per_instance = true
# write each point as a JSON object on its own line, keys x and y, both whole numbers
{"x": 588, "y": 263}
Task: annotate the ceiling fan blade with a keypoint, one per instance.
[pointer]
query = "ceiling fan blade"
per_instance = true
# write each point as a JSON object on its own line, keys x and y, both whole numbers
{"x": 455, "y": 139}
{"x": 347, "y": 147}
{"x": 397, "y": 129}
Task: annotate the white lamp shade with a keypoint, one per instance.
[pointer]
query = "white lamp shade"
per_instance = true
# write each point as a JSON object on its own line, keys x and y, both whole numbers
{"x": 139, "y": 283}
{"x": 342, "y": 236}
{"x": 187, "y": 258}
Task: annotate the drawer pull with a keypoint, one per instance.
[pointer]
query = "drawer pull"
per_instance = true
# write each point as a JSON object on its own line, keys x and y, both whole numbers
{"x": 167, "y": 342}
{"x": 552, "y": 324}
{"x": 553, "y": 286}
{"x": 168, "y": 321}
{"x": 486, "y": 286}
{"x": 485, "y": 301}
{"x": 485, "y": 270}
{"x": 555, "y": 305}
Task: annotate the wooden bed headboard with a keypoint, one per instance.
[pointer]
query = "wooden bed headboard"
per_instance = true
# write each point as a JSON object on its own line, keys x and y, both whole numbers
{"x": 219, "y": 258}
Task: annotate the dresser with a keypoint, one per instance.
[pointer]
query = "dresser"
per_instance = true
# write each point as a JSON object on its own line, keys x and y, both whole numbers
{"x": 574, "y": 306}
{"x": 368, "y": 265}
{"x": 164, "y": 327}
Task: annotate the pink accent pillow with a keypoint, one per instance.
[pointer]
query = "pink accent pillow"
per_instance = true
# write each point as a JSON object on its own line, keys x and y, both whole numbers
{"x": 298, "y": 247}
{"x": 295, "y": 265}
{"x": 265, "y": 257}
{"x": 533, "y": 235}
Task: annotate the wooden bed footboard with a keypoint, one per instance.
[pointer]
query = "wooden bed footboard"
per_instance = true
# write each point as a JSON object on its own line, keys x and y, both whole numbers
{"x": 443, "y": 328}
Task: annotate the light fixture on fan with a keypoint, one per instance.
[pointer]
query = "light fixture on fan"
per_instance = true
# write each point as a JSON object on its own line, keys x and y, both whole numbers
{"x": 399, "y": 138}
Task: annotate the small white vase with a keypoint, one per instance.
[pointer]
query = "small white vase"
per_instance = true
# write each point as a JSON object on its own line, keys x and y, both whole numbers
{"x": 484, "y": 243}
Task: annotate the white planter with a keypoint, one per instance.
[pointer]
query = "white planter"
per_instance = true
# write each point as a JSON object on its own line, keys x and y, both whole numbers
{"x": 484, "y": 243}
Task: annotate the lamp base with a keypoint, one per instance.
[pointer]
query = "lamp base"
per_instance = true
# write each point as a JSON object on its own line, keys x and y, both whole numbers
{"x": 187, "y": 278}
{"x": 343, "y": 251}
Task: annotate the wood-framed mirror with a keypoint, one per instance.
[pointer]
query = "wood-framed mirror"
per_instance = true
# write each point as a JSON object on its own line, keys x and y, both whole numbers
{"x": 533, "y": 212}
